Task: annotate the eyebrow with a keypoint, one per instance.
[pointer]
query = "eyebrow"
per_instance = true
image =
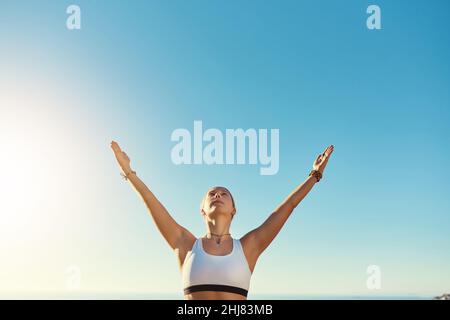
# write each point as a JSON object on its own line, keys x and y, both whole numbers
{"x": 223, "y": 190}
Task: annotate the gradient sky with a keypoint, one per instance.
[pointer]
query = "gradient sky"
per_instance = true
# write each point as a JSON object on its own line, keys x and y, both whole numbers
{"x": 138, "y": 70}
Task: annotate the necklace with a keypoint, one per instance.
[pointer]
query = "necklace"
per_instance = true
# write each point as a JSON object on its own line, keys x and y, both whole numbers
{"x": 219, "y": 237}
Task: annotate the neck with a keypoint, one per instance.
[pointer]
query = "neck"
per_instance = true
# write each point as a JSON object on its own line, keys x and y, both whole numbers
{"x": 219, "y": 227}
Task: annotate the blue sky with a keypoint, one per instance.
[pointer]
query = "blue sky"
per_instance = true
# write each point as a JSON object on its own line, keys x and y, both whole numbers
{"x": 137, "y": 71}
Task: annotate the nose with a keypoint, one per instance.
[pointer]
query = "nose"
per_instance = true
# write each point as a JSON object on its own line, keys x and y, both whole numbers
{"x": 217, "y": 195}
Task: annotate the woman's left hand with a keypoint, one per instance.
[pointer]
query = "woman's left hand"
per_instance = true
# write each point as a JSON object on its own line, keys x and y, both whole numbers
{"x": 322, "y": 159}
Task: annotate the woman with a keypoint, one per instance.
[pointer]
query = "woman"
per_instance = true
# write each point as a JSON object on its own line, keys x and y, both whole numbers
{"x": 217, "y": 266}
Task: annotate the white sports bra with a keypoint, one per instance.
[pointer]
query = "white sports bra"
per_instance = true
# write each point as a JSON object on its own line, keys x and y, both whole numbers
{"x": 202, "y": 271}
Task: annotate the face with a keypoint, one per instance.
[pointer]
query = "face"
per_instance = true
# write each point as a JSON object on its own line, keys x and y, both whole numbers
{"x": 218, "y": 200}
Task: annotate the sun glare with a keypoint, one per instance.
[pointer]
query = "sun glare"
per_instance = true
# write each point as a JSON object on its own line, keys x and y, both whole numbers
{"x": 33, "y": 159}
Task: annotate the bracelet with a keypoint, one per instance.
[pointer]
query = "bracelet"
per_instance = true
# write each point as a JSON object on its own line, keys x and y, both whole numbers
{"x": 125, "y": 176}
{"x": 316, "y": 174}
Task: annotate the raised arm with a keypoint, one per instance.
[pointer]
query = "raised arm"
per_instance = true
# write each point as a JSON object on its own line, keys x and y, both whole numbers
{"x": 175, "y": 234}
{"x": 257, "y": 240}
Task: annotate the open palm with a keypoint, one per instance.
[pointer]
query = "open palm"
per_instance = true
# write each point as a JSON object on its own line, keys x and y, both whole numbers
{"x": 322, "y": 159}
{"x": 122, "y": 158}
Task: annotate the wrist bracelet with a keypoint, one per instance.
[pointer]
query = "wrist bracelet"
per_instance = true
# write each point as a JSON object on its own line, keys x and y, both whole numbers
{"x": 125, "y": 176}
{"x": 316, "y": 174}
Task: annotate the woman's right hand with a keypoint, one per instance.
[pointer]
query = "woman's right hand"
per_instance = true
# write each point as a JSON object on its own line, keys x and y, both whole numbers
{"x": 121, "y": 157}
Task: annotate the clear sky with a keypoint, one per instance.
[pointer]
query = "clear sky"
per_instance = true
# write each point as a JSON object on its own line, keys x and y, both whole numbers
{"x": 138, "y": 70}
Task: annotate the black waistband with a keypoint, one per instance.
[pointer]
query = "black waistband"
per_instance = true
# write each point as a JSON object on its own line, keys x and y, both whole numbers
{"x": 215, "y": 287}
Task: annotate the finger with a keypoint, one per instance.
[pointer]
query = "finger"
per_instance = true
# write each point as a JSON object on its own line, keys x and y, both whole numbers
{"x": 115, "y": 147}
{"x": 328, "y": 155}
{"x": 328, "y": 150}
{"x": 114, "y": 144}
{"x": 318, "y": 158}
